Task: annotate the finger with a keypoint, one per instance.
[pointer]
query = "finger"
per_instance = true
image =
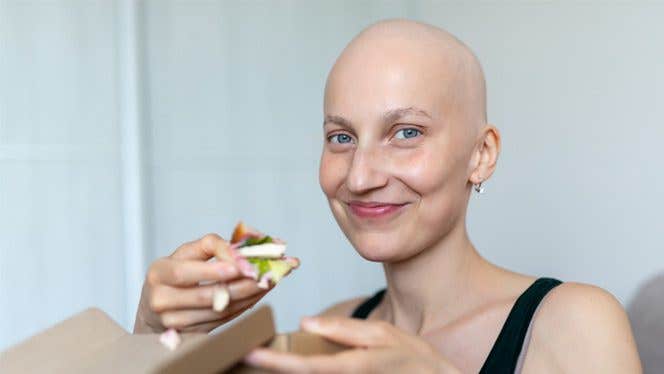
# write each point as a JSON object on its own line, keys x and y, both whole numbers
{"x": 187, "y": 319}
{"x": 211, "y": 325}
{"x": 243, "y": 288}
{"x": 294, "y": 261}
{"x": 183, "y": 273}
{"x": 181, "y": 319}
{"x": 163, "y": 297}
{"x": 280, "y": 362}
{"x": 351, "y": 331}
{"x": 203, "y": 327}
{"x": 284, "y": 362}
{"x": 208, "y": 246}
{"x": 240, "y": 307}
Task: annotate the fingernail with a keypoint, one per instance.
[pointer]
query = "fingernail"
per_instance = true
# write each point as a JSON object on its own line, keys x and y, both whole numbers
{"x": 310, "y": 324}
{"x": 253, "y": 358}
{"x": 220, "y": 299}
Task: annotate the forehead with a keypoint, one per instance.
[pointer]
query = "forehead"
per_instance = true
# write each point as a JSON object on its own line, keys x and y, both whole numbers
{"x": 371, "y": 80}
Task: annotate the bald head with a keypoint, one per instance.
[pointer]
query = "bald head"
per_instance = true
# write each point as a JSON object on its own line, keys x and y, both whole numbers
{"x": 388, "y": 53}
{"x": 405, "y": 126}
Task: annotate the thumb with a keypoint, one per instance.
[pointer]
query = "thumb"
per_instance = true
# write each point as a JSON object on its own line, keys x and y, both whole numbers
{"x": 351, "y": 331}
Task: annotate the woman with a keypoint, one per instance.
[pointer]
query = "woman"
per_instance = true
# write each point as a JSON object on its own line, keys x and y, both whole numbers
{"x": 406, "y": 141}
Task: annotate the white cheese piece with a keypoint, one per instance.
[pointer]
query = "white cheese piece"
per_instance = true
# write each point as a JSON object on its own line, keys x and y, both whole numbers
{"x": 267, "y": 250}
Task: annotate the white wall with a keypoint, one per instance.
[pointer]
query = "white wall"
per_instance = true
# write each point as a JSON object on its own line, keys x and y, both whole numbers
{"x": 232, "y": 116}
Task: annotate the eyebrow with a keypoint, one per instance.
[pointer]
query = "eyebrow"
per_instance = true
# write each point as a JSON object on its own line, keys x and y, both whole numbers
{"x": 395, "y": 114}
{"x": 389, "y": 116}
{"x": 339, "y": 120}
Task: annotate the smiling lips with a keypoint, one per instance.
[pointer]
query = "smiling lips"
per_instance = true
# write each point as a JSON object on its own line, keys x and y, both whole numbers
{"x": 374, "y": 209}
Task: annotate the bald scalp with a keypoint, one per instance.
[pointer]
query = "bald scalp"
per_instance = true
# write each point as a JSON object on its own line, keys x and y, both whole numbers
{"x": 463, "y": 78}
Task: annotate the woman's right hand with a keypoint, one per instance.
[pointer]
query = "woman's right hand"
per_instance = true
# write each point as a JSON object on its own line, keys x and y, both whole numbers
{"x": 173, "y": 296}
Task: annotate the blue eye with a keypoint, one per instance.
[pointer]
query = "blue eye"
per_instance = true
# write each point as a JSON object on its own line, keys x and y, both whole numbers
{"x": 407, "y": 133}
{"x": 340, "y": 138}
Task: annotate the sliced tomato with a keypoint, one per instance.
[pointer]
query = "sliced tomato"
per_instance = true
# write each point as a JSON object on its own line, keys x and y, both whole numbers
{"x": 243, "y": 232}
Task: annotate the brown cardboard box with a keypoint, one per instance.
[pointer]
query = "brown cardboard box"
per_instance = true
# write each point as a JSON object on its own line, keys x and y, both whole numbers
{"x": 91, "y": 342}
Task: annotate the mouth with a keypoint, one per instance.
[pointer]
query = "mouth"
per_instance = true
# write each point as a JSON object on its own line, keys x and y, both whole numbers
{"x": 374, "y": 210}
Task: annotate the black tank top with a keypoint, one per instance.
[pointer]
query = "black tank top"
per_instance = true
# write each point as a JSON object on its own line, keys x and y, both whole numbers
{"x": 505, "y": 352}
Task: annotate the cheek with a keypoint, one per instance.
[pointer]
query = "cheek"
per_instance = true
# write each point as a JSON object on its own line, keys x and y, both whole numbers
{"x": 332, "y": 171}
{"x": 437, "y": 177}
{"x": 422, "y": 170}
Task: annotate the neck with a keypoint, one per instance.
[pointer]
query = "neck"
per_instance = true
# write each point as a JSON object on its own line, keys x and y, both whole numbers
{"x": 436, "y": 286}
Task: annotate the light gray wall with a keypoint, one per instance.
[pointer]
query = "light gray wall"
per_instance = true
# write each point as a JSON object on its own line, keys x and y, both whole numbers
{"x": 60, "y": 217}
{"x": 232, "y": 117}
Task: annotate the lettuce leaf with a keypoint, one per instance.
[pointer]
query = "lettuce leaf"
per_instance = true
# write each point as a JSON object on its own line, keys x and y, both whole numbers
{"x": 279, "y": 268}
{"x": 257, "y": 241}
{"x": 262, "y": 265}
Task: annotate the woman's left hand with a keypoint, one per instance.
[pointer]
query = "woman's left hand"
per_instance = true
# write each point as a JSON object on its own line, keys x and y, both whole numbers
{"x": 379, "y": 347}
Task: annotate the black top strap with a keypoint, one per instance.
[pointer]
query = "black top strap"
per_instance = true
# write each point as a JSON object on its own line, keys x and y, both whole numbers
{"x": 505, "y": 352}
{"x": 363, "y": 310}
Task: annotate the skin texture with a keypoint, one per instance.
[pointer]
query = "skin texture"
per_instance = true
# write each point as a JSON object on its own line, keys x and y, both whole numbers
{"x": 445, "y": 304}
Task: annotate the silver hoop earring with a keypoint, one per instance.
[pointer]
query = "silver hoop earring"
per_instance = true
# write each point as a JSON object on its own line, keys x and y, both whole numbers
{"x": 479, "y": 189}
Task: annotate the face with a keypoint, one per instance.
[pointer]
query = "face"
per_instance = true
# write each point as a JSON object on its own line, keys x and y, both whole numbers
{"x": 396, "y": 154}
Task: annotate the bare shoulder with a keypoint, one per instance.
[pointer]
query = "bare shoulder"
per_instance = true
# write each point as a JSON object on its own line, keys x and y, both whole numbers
{"x": 342, "y": 309}
{"x": 580, "y": 327}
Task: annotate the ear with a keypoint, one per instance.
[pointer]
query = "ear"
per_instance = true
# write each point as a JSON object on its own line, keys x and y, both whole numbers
{"x": 485, "y": 155}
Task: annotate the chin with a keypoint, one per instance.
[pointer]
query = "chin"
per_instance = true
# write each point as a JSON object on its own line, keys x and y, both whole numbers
{"x": 379, "y": 242}
{"x": 380, "y": 246}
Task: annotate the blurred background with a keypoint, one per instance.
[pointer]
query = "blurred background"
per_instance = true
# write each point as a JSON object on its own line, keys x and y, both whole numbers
{"x": 130, "y": 127}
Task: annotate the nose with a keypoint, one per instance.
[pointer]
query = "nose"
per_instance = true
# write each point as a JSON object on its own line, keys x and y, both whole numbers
{"x": 366, "y": 171}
